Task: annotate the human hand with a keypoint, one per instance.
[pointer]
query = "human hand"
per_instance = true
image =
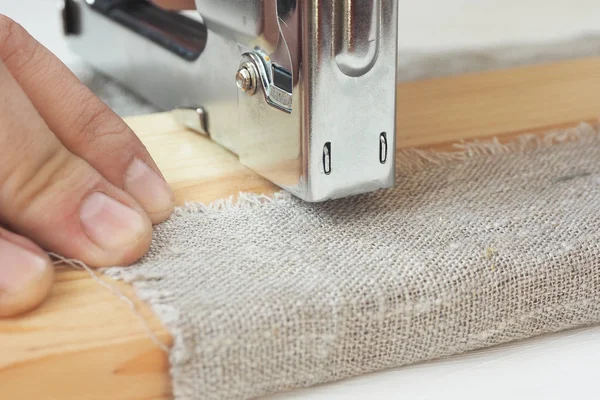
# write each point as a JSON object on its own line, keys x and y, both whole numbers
{"x": 74, "y": 179}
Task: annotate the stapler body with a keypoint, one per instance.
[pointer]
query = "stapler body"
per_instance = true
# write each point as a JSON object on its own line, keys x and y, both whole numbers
{"x": 302, "y": 91}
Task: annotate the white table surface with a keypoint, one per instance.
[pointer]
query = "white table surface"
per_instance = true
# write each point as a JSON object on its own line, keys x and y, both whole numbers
{"x": 557, "y": 366}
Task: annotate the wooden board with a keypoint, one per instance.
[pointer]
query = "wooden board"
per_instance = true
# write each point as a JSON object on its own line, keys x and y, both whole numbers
{"x": 86, "y": 343}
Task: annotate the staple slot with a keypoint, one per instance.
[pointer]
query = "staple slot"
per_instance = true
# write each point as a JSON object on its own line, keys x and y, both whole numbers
{"x": 383, "y": 148}
{"x": 327, "y": 158}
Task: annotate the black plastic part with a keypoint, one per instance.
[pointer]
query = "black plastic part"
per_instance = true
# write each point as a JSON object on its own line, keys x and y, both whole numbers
{"x": 282, "y": 79}
{"x": 71, "y": 18}
{"x": 174, "y": 32}
{"x": 285, "y": 7}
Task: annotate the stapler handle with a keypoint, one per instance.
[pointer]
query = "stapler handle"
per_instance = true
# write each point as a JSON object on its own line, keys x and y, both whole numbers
{"x": 174, "y": 32}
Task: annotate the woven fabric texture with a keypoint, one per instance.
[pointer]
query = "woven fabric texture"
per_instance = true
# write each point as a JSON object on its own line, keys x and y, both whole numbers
{"x": 491, "y": 244}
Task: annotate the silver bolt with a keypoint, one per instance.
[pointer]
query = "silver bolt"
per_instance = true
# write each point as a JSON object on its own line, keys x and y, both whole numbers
{"x": 246, "y": 78}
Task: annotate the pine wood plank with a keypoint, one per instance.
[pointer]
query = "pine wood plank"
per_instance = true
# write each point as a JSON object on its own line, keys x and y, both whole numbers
{"x": 85, "y": 343}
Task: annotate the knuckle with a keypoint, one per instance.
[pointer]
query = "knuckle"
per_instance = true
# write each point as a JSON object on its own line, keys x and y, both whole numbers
{"x": 28, "y": 183}
{"x": 44, "y": 185}
{"x": 92, "y": 119}
{"x": 16, "y": 45}
{"x": 96, "y": 122}
{"x": 99, "y": 129}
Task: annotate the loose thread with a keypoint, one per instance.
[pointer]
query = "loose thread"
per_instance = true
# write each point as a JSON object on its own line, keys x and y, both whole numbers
{"x": 58, "y": 259}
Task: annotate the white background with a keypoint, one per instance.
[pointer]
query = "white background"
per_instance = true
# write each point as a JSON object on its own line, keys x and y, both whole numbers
{"x": 561, "y": 366}
{"x": 424, "y": 24}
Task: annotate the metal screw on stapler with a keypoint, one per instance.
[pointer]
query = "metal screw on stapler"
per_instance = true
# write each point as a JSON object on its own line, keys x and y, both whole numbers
{"x": 246, "y": 79}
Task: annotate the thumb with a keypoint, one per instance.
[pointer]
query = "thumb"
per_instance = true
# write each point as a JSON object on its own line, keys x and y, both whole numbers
{"x": 56, "y": 198}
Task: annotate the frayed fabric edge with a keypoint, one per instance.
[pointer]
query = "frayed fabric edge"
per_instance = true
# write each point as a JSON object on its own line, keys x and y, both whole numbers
{"x": 242, "y": 200}
{"x": 411, "y": 160}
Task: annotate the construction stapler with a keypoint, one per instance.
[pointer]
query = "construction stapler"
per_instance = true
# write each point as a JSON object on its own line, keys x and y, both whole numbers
{"x": 302, "y": 91}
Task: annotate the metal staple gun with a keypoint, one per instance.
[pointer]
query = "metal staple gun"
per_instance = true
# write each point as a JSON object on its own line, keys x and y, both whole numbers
{"x": 303, "y": 91}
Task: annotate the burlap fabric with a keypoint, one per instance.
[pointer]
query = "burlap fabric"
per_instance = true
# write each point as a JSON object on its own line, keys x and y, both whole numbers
{"x": 488, "y": 245}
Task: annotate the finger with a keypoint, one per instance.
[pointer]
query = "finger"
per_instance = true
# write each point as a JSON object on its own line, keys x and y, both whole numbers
{"x": 82, "y": 122}
{"x": 176, "y": 4}
{"x": 57, "y": 199}
{"x": 26, "y": 274}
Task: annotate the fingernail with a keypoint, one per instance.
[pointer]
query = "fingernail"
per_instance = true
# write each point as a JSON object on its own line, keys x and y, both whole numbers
{"x": 111, "y": 224}
{"x": 19, "y": 267}
{"x": 148, "y": 188}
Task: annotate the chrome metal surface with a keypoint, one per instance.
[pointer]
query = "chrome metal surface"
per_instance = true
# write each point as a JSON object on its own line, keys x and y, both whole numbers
{"x": 357, "y": 35}
{"x": 325, "y": 86}
{"x": 193, "y": 118}
{"x": 350, "y": 112}
{"x": 246, "y": 79}
{"x": 240, "y": 20}
{"x": 271, "y": 25}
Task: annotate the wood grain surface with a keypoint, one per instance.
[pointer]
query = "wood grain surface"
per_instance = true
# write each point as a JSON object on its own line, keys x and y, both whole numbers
{"x": 87, "y": 343}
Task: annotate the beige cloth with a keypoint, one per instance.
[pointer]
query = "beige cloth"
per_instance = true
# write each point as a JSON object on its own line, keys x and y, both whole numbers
{"x": 489, "y": 245}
